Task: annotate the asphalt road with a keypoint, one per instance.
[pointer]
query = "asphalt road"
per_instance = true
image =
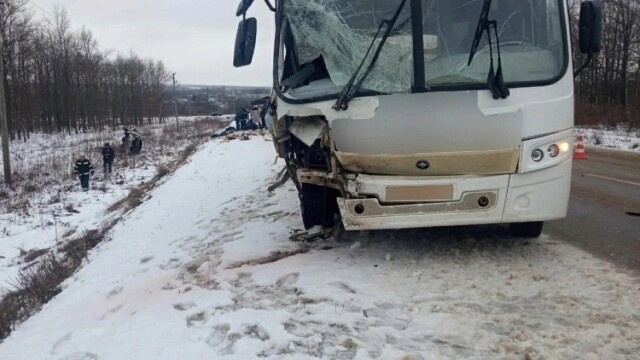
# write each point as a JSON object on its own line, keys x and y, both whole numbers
{"x": 605, "y": 189}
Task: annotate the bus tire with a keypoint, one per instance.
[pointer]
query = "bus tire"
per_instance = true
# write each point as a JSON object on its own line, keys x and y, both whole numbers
{"x": 318, "y": 205}
{"x": 529, "y": 230}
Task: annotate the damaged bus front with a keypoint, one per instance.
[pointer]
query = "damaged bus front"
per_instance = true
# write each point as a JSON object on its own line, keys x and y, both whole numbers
{"x": 419, "y": 113}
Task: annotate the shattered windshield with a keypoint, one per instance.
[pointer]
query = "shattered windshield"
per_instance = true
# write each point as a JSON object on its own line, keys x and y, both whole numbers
{"x": 340, "y": 32}
{"x": 337, "y": 33}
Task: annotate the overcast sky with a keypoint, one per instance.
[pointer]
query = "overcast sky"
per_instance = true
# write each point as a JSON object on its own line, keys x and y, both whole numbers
{"x": 194, "y": 38}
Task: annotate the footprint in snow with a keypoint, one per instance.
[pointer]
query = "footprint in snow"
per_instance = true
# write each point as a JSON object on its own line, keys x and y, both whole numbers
{"x": 288, "y": 281}
{"x": 173, "y": 263}
{"x": 115, "y": 292}
{"x": 386, "y": 318}
{"x": 386, "y": 305}
{"x": 269, "y": 204}
{"x": 344, "y": 287}
{"x": 112, "y": 311}
{"x": 218, "y": 334}
{"x": 184, "y": 306}
{"x": 243, "y": 279}
{"x": 196, "y": 318}
{"x": 256, "y": 331}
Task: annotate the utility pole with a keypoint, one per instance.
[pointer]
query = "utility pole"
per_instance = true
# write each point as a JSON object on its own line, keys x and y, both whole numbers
{"x": 175, "y": 100}
{"x": 6, "y": 160}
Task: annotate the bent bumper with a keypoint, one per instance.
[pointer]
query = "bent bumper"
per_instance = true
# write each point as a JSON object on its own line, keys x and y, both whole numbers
{"x": 537, "y": 196}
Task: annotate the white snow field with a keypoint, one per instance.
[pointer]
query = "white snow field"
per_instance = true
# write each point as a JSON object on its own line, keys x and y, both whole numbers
{"x": 56, "y": 210}
{"x": 204, "y": 269}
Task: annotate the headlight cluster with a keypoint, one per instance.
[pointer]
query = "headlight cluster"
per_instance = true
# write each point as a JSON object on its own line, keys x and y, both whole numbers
{"x": 553, "y": 151}
{"x": 546, "y": 151}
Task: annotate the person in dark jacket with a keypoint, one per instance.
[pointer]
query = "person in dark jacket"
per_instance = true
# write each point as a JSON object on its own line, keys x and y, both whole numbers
{"x": 108, "y": 155}
{"x": 241, "y": 119}
{"x": 263, "y": 116}
{"x": 84, "y": 169}
{"x": 126, "y": 140}
{"x": 136, "y": 144}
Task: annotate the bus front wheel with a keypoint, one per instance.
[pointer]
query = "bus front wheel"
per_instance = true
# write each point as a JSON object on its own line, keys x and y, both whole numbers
{"x": 530, "y": 230}
{"x": 319, "y": 206}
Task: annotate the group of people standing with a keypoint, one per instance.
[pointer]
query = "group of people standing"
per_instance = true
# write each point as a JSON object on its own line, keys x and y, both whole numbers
{"x": 251, "y": 120}
{"x": 83, "y": 167}
{"x": 132, "y": 141}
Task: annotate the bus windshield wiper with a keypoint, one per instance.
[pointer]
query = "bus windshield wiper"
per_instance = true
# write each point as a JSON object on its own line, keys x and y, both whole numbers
{"x": 352, "y": 87}
{"x": 495, "y": 79}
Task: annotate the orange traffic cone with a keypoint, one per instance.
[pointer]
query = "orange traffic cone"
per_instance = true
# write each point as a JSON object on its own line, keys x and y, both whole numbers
{"x": 579, "y": 153}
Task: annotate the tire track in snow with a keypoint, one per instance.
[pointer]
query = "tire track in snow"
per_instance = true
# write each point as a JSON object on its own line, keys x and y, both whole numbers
{"x": 473, "y": 293}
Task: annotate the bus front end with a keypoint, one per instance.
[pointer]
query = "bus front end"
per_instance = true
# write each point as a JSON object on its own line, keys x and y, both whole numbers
{"x": 421, "y": 113}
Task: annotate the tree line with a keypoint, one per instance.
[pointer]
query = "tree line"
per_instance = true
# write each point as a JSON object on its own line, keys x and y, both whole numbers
{"x": 612, "y": 83}
{"x": 57, "y": 79}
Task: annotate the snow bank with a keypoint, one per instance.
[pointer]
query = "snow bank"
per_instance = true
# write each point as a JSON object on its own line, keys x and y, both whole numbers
{"x": 620, "y": 138}
{"x": 204, "y": 269}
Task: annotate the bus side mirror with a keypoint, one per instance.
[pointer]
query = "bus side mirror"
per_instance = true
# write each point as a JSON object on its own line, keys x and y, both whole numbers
{"x": 245, "y": 42}
{"x": 590, "y": 26}
{"x": 243, "y": 7}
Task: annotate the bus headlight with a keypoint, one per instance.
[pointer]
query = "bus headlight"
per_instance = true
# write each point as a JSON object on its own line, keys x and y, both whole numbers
{"x": 554, "y": 150}
{"x": 537, "y": 155}
{"x": 546, "y": 151}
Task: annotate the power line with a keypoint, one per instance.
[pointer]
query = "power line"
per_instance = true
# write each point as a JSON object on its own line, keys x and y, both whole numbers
{"x": 40, "y": 7}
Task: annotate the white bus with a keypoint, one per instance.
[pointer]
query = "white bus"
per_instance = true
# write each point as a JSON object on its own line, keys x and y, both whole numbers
{"x": 422, "y": 113}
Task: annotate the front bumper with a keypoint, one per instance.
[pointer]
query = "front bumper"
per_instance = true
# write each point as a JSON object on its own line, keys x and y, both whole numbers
{"x": 537, "y": 196}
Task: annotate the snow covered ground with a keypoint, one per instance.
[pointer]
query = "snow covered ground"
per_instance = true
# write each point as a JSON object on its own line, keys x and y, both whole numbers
{"x": 616, "y": 139}
{"x": 45, "y": 207}
{"x": 204, "y": 269}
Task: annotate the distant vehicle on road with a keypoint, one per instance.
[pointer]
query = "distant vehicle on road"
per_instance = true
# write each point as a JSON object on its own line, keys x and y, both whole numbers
{"x": 404, "y": 114}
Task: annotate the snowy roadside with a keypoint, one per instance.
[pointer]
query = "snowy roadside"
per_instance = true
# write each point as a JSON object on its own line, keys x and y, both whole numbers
{"x": 620, "y": 139}
{"x": 204, "y": 269}
{"x": 46, "y": 208}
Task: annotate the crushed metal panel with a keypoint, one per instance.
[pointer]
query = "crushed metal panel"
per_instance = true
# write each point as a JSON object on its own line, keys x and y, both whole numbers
{"x": 492, "y": 162}
{"x": 307, "y": 130}
{"x": 359, "y": 109}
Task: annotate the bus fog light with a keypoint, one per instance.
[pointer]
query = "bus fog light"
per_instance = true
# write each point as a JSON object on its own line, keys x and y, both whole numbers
{"x": 522, "y": 202}
{"x": 554, "y": 150}
{"x": 564, "y": 147}
{"x": 537, "y": 155}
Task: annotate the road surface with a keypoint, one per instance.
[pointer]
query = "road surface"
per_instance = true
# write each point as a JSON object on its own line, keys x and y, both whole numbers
{"x": 605, "y": 189}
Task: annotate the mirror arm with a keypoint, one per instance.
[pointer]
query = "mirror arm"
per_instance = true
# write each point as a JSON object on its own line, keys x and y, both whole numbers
{"x": 271, "y": 7}
{"x": 584, "y": 66}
